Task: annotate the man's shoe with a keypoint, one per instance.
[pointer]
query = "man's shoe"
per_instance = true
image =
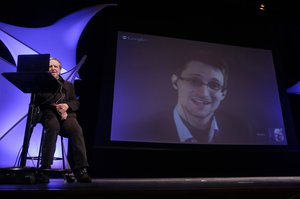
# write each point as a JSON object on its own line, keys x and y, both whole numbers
{"x": 42, "y": 175}
{"x": 43, "y": 167}
{"x": 42, "y": 178}
{"x": 81, "y": 175}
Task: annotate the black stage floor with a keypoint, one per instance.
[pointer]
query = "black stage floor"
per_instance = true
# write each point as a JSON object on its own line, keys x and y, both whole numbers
{"x": 213, "y": 187}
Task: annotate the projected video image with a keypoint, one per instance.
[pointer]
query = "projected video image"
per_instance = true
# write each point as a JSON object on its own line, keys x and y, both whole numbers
{"x": 170, "y": 90}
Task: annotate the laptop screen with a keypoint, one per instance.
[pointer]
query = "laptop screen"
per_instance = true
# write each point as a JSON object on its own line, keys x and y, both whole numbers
{"x": 33, "y": 63}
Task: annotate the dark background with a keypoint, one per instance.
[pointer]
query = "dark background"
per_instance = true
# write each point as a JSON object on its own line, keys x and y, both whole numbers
{"x": 236, "y": 22}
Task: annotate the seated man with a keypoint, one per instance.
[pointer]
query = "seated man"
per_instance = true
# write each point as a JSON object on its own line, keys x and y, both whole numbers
{"x": 58, "y": 116}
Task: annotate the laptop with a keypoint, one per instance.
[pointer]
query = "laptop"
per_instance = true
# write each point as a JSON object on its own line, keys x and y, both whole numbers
{"x": 32, "y": 74}
{"x": 33, "y": 63}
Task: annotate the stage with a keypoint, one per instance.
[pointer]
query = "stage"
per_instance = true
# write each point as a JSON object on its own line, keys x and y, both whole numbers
{"x": 213, "y": 187}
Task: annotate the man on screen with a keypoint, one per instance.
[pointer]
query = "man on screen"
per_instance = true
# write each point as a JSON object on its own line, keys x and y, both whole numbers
{"x": 201, "y": 82}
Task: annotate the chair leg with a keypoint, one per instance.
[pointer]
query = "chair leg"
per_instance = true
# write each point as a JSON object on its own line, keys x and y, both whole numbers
{"x": 40, "y": 149}
{"x": 63, "y": 151}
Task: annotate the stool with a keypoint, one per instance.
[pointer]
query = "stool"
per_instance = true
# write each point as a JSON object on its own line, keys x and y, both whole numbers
{"x": 38, "y": 158}
{"x": 55, "y": 158}
{"x": 66, "y": 173}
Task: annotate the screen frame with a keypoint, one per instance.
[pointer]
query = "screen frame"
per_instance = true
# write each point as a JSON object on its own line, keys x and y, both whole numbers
{"x": 102, "y": 138}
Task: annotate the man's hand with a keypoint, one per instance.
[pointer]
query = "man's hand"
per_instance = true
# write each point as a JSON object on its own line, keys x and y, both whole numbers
{"x": 64, "y": 115}
{"x": 62, "y": 110}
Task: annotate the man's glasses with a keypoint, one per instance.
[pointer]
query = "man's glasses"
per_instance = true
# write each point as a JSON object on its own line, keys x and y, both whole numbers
{"x": 197, "y": 82}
